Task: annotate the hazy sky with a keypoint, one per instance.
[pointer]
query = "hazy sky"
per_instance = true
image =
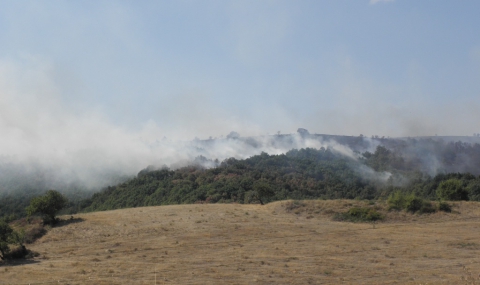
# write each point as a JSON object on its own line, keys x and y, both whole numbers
{"x": 110, "y": 72}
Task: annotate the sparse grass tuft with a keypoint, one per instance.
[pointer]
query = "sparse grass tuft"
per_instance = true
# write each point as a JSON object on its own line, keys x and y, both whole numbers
{"x": 292, "y": 205}
{"x": 465, "y": 245}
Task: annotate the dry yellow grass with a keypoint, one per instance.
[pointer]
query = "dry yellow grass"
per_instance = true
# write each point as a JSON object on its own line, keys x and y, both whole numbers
{"x": 253, "y": 244}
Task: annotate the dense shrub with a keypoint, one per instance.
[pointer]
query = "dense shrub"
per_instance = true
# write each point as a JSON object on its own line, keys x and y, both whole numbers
{"x": 397, "y": 201}
{"x": 359, "y": 214}
{"x": 409, "y": 202}
{"x": 17, "y": 252}
{"x": 452, "y": 190}
{"x": 417, "y": 204}
{"x": 444, "y": 207}
{"x": 473, "y": 189}
{"x": 10, "y": 238}
{"x": 5, "y": 239}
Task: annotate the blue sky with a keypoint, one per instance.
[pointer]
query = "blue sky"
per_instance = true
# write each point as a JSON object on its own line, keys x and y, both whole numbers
{"x": 185, "y": 69}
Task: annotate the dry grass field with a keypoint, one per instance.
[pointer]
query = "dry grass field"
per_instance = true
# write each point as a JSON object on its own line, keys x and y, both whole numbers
{"x": 286, "y": 242}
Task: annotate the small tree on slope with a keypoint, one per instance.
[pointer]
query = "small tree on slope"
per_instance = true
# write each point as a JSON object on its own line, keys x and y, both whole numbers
{"x": 5, "y": 236}
{"x": 48, "y": 206}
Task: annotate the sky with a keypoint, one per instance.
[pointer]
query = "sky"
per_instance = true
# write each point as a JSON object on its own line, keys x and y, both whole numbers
{"x": 109, "y": 77}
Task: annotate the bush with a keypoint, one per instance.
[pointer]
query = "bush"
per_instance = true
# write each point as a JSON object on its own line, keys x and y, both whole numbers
{"x": 473, "y": 189}
{"x": 417, "y": 204}
{"x": 5, "y": 239}
{"x": 413, "y": 204}
{"x": 409, "y": 202}
{"x": 452, "y": 190}
{"x": 397, "y": 201}
{"x": 359, "y": 214}
{"x": 8, "y": 238}
{"x": 445, "y": 207}
{"x": 17, "y": 253}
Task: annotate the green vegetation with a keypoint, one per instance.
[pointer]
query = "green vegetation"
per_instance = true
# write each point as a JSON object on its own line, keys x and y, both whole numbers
{"x": 409, "y": 202}
{"x": 414, "y": 204}
{"x": 359, "y": 214}
{"x": 395, "y": 171}
{"x": 5, "y": 239}
{"x": 444, "y": 207}
{"x": 452, "y": 190}
{"x": 298, "y": 174}
{"x": 47, "y": 205}
{"x": 11, "y": 243}
{"x": 397, "y": 201}
{"x": 262, "y": 190}
{"x": 419, "y": 205}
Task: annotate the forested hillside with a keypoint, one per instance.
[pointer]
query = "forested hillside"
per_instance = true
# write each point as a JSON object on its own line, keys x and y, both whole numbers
{"x": 298, "y": 174}
{"x": 347, "y": 167}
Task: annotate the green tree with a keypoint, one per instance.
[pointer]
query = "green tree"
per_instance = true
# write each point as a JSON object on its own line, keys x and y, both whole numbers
{"x": 262, "y": 191}
{"x": 5, "y": 238}
{"x": 47, "y": 205}
{"x": 452, "y": 190}
{"x": 397, "y": 201}
{"x": 473, "y": 189}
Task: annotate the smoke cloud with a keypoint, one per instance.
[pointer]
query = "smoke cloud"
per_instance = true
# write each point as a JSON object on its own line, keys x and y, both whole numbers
{"x": 55, "y": 144}
{"x": 48, "y": 141}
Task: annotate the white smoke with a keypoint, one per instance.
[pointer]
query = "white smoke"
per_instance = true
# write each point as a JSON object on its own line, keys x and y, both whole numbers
{"x": 43, "y": 137}
{"x": 54, "y": 143}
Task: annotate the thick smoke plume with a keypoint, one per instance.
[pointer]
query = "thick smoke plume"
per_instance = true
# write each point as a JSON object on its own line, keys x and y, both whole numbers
{"x": 46, "y": 142}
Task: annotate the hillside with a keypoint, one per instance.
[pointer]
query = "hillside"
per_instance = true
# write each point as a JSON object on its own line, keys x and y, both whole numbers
{"x": 298, "y": 174}
{"x": 289, "y": 242}
{"x": 335, "y": 167}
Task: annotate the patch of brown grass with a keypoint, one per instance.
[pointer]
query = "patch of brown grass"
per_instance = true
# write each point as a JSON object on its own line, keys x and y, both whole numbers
{"x": 279, "y": 243}
{"x": 33, "y": 228}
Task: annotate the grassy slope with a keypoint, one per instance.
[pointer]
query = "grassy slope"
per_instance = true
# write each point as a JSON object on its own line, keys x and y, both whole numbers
{"x": 280, "y": 243}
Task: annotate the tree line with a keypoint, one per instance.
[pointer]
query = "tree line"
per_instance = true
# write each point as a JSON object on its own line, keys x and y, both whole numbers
{"x": 416, "y": 166}
{"x": 298, "y": 174}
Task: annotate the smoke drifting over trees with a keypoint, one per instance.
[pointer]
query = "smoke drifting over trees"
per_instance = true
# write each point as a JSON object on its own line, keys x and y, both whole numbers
{"x": 48, "y": 140}
{"x": 91, "y": 169}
